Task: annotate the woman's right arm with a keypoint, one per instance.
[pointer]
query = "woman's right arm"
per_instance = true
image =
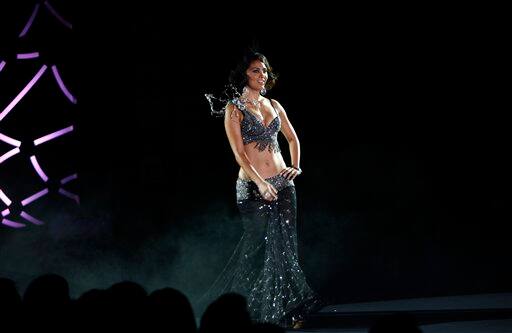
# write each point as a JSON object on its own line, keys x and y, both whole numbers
{"x": 232, "y": 119}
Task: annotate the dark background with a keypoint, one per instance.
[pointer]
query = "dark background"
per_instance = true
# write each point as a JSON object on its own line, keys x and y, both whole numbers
{"x": 403, "y": 146}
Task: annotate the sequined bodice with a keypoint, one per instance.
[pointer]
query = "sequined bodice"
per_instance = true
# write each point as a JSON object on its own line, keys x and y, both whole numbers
{"x": 253, "y": 130}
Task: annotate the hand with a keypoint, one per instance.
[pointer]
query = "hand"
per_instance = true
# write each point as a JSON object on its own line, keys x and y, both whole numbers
{"x": 267, "y": 191}
{"x": 290, "y": 173}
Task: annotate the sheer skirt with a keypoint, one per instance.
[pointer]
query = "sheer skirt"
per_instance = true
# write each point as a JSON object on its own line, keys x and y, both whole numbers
{"x": 264, "y": 266}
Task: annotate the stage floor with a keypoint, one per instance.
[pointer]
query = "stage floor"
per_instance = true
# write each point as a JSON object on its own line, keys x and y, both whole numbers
{"x": 482, "y": 313}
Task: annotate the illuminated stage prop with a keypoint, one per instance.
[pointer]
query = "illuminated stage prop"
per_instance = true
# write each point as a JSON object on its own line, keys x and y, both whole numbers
{"x": 19, "y": 145}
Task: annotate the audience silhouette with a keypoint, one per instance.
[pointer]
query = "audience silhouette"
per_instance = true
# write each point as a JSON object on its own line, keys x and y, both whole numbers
{"x": 127, "y": 305}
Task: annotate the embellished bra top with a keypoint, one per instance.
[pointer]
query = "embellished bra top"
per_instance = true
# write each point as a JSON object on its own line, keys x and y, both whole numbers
{"x": 254, "y": 130}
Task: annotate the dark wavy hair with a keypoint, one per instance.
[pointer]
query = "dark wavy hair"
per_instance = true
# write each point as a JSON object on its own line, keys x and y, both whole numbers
{"x": 238, "y": 77}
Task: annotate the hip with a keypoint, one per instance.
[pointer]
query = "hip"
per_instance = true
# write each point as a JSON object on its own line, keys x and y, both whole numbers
{"x": 247, "y": 189}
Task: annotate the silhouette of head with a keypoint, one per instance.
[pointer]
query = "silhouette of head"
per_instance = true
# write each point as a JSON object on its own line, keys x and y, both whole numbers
{"x": 47, "y": 290}
{"x": 226, "y": 314}
{"x": 171, "y": 308}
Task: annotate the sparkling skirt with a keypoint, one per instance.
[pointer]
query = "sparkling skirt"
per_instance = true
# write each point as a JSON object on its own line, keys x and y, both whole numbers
{"x": 264, "y": 266}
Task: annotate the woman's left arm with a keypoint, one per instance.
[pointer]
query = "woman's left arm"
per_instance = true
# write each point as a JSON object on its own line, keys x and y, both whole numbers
{"x": 293, "y": 142}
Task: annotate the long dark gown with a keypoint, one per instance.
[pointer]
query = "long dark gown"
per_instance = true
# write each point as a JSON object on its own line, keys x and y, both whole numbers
{"x": 265, "y": 266}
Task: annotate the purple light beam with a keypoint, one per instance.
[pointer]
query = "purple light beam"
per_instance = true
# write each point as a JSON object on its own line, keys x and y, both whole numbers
{"x": 34, "y": 197}
{"x": 53, "y": 135}
{"x": 38, "y": 168}
{"x": 27, "y": 55}
{"x": 9, "y": 154}
{"x": 57, "y": 15}
{"x": 8, "y": 140}
{"x": 30, "y": 21}
{"x": 68, "y": 178}
{"x": 31, "y": 219}
{"x": 6, "y": 212}
{"x": 4, "y": 198}
{"x": 2, "y": 65}
{"x": 70, "y": 195}
{"x": 22, "y": 93}
{"x": 13, "y": 224}
{"x": 65, "y": 90}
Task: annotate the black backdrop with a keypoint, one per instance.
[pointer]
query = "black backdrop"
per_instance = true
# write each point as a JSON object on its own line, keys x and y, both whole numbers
{"x": 403, "y": 149}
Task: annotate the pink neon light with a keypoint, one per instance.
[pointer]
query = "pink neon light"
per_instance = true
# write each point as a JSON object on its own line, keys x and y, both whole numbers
{"x": 27, "y": 55}
{"x": 34, "y": 197}
{"x": 60, "y": 18}
{"x": 30, "y": 21}
{"x": 31, "y": 218}
{"x": 68, "y": 179}
{"x": 70, "y": 195}
{"x": 9, "y": 154}
{"x": 4, "y": 198}
{"x": 13, "y": 224}
{"x": 53, "y": 135}
{"x": 22, "y": 93}
{"x": 6, "y": 212}
{"x": 9, "y": 140}
{"x": 65, "y": 90}
{"x": 2, "y": 65}
{"x": 39, "y": 171}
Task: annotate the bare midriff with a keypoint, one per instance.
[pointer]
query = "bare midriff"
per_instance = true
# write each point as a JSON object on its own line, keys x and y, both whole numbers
{"x": 267, "y": 163}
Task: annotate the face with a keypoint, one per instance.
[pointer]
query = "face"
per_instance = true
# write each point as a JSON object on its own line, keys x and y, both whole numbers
{"x": 257, "y": 75}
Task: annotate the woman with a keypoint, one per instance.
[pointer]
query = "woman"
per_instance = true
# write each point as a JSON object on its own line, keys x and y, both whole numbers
{"x": 264, "y": 267}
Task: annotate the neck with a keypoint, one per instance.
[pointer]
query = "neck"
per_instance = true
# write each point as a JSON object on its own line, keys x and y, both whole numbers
{"x": 252, "y": 94}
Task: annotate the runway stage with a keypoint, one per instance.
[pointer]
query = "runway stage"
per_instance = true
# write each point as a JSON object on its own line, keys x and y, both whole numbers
{"x": 481, "y": 313}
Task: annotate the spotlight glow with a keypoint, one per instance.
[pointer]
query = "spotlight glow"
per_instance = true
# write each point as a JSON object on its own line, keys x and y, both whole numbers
{"x": 2, "y": 65}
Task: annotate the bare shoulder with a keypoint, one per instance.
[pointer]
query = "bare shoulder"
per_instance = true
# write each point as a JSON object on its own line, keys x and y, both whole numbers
{"x": 232, "y": 112}
{"x": 277, "y": 106}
